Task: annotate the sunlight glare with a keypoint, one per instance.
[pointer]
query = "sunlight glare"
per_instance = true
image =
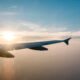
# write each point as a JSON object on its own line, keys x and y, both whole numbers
{"x": 8, "y": 36}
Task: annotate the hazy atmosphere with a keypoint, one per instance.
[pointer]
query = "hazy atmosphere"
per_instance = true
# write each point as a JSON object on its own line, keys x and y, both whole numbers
{"x": 60, "y": 62}
{"x": 40, "y": 20}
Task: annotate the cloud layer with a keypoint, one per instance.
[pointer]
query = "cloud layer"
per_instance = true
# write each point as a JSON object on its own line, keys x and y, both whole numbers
{"x": 29, "y": 28}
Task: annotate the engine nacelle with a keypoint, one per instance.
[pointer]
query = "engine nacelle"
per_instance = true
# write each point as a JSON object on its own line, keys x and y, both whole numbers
{"x": 4, "y": 53}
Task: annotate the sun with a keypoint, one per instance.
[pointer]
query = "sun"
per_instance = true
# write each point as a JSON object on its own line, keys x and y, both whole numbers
{"x": 8, "y": 36}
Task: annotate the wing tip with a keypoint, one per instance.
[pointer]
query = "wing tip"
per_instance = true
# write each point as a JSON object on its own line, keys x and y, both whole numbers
{"x": 67, "y": 40}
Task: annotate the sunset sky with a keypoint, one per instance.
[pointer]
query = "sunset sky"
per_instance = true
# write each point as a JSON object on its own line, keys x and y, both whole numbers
{"x": 31, "y": 20}
{"x": 40, "y": 15}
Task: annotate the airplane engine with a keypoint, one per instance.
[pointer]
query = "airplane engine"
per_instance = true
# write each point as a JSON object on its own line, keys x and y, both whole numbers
{"x": 4, "y": 53}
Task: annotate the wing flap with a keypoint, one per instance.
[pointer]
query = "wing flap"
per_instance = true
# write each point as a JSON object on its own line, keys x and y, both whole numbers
{"x": 39, "y": 48}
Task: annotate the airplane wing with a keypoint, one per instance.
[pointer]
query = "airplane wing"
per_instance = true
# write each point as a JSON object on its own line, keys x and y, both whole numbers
{"x": 38, "y": 45}
{"x": 34, "y": 45}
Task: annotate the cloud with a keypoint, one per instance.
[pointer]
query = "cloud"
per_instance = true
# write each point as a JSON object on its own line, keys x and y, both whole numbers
{"x": 36, "y": 29}
{"x": 13, "y": 7}
{"x": 10, "y": 10}
{"x": 27, "y": 28}
{"x": 7, "y": 13}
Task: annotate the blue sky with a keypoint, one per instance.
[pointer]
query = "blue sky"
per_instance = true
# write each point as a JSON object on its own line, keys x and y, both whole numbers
{"x": 59, "y": 15}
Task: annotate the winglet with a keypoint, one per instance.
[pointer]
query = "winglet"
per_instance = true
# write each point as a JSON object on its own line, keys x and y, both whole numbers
{"x": 67, "y": 41}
